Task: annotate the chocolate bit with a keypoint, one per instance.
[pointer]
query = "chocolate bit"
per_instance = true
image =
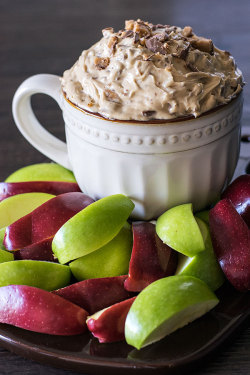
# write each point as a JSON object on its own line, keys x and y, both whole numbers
{"x": 127, "y": 34}
{"x": 101, "y": 62}
{"x": 162, "y": 37}
{"x": 142, "y": 28}
{"x": 136, "y": 37}
{"x": 187, "y": 31}
{"x": 112, "y": 43}
{"x": 203, "y": 45}
{"x": 182, "y": 53}
{"x": 148, "y": 113}
{"x": 154, "y": 45}
{"x": 111, "y": 96}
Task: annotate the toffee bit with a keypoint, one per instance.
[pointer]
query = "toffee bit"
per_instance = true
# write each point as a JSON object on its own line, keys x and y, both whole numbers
{"x": 107, "y": 31}
{"x": 147, "y": 57}
{"x": 203, "y": 45}
{"x": 136, "y": 37}
{"x": 129, "y": 24}
{"x": 127, "y": 34}
{"x": 101, "y": 62}
{"x": 148, "y": 113}
{"x": 154, "y": 45}
{"x": 182, "y": 53}
{"x": 111, "y": 96}
{"x": 142, "y": 29}
{"x": 112, "y": 43}
{"x": 187, "y": 31}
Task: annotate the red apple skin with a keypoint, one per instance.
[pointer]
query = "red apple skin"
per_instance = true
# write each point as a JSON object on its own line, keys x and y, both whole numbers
{"x": 38, "y": 251}
{"x": 95, "y": 294}
{"x": 45, "y": 220}
{"x": 40, "y": 311}
{"x": 151, "y": 259}
{"x": 231, "y": 242}
{"x": 238, "y": 192}
{"x": 8, "y": 189}
{"x": 109, "y": 326}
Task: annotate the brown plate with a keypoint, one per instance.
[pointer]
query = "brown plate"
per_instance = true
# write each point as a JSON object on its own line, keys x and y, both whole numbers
{"x": 185, "y": 347}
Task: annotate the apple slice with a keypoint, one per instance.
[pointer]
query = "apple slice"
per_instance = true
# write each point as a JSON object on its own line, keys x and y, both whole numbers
{"x": 204, "y": 265}
{"x": 178, "y": 229}
{"x": 42, "y": 172}
{"x": 238, "y": 192}
{"x": 151, "y": 259}
{"x": 203, "y": 215}
{"x": 164, "y": 306}
{"x": 13, "y": 208}
{"x": 108, "y": 324}
{"x": 110, "y": 260}
{"x": 44, "y": 275}
{"x": 95, "y": 294}
{"x": 40, "y": 311}
{"x": 38, "y": 251}
{"x": 92, "y": 228}
{"x": 8, "y": 189}
{"x": 231, "y": 242}
{"x": 45, "y": 220}
{"x": 5, "y": 256}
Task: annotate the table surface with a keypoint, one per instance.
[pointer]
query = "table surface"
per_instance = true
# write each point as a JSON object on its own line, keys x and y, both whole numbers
{"x": 47, "y": 37}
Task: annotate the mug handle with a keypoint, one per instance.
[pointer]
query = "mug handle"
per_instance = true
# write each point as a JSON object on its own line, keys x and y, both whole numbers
{"x": 27, "y": 122}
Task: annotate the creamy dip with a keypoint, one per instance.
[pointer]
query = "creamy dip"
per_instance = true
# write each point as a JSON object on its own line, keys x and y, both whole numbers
{"x": 147, "y": 72}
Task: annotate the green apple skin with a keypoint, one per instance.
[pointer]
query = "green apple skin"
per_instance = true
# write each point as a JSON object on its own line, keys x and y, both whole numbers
{"x": 2, "y": 233}
{"x": 164, "y": 306}
{"x": 203, "y": 215}
{"x": 42, "y": 172}
{"x": 92, "y": 228}
{"x": 44, "y": 275}
{"x": 178, "y": 229}
{"x": 204, "y": 265}
{"x": 110, "y": 260}
{"x": 17, "y": 206}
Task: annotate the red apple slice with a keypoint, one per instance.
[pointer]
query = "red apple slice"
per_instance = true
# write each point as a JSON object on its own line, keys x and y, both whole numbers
{"x": 40, "y": 311}
{"x": 38, "y": 251}
{"x": 151, "y": 259}
{"x": 95, "y": 294}
{"x": 231, "y": 242}
{"x": 7, "y": 189}
{"x": 239, "y": 194}
{"x": 108, "y": 324}
{"x": 45, "y": 220}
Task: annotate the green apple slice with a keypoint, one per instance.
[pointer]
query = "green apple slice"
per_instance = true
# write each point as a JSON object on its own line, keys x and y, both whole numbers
{"x": 92, "y": 228}
{"x": 17, "y": 206}
{"x": 44, "y": 275}
{"x": 42, "y": 172}
{"x": 203, "y": 215}
{"x": 204, "y": 265}
{"x": 2, "y": 233}
{"x": 178, "y": 229}
{"x": 110, "y": 260}
{"x": 165, "y": 306}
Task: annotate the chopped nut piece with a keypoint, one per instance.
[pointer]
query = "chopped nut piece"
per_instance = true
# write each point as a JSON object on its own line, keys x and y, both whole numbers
{"x": 101, "y": 62}
{"x": 112, "y": 43}
{"x": 187, "y": 31}
{"x": 203, "y": 44}
{"x": 111, "y": 96}
{"x": 148, "y": 113}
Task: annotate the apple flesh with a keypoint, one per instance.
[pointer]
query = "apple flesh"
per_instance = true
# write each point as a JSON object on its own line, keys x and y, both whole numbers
{"x": 40, "y": 311}
{"x": 178, "y": 229}
{"x": 151, "y": 259}
{"x": 92, "y": 228}
{"x": 38, "y": 251}
{"x": 8, "y": 189}
{"x": 110, "y": 260}
{"x": 95, "y": 294}
{"x": 42, "y": 172}
{"x": 166, "y": 305}
{"x": 13, "y": 208}
{"x": 45, "y": 275}
{"x": 204, "y": 265}
{"x": 108, "y": 324}
{"x": 231, "y": 242}
{"x": 238, "y": 192}
{"x": 44, "y": 221}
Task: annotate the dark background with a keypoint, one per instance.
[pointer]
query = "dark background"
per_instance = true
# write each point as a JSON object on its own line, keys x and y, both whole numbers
{"x": 47, "y": 36}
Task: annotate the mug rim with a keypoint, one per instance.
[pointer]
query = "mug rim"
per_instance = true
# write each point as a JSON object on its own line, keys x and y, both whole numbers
{"x": 156, "y": 122}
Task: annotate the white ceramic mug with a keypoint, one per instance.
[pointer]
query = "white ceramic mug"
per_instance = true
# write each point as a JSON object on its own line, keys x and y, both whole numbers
{"x": 157, "y": 165}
